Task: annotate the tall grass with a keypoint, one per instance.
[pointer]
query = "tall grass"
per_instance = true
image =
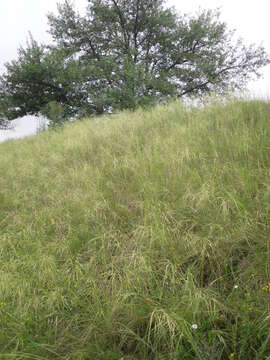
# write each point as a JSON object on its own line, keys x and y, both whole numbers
{"x": 142, "y": 236}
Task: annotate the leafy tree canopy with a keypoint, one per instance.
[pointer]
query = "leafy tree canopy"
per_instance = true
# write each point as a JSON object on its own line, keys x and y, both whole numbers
{"x": 39, "y": 75}
{"x": 124, "y": 54}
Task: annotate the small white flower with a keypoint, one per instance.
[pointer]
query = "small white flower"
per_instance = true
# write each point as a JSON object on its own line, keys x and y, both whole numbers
{"x": 194, "y": 326}
{"x": 235, "y": 287}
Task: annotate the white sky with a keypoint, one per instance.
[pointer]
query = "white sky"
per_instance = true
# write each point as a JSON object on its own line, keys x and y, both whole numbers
{"x": 249, "y": 18}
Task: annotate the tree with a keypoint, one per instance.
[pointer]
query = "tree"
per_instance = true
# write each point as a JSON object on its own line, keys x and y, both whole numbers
{"x": 39, "y": 76}
{"x": 3, "y": 123}
{"x": 141, "y": 51}
{"x": 3, "y": 110}
{"x": 124, "y": 54}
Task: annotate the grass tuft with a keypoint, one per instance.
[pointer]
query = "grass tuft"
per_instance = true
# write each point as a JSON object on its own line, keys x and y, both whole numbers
{"x": 139, "y": 236}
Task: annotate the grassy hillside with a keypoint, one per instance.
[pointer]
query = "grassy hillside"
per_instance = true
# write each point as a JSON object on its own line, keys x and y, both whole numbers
{"x": 141, "y": 236}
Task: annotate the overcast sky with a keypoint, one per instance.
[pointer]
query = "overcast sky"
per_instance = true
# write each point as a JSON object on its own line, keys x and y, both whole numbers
{"x": 250, "y": 19}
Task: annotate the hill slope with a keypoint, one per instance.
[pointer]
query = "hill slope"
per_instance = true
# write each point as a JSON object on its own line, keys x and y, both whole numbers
{"x": 145, "y": 236}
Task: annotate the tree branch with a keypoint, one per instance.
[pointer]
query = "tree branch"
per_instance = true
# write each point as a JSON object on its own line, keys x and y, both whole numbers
{"x": 122, "y": 24}
{"x": 209, "y": 81}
